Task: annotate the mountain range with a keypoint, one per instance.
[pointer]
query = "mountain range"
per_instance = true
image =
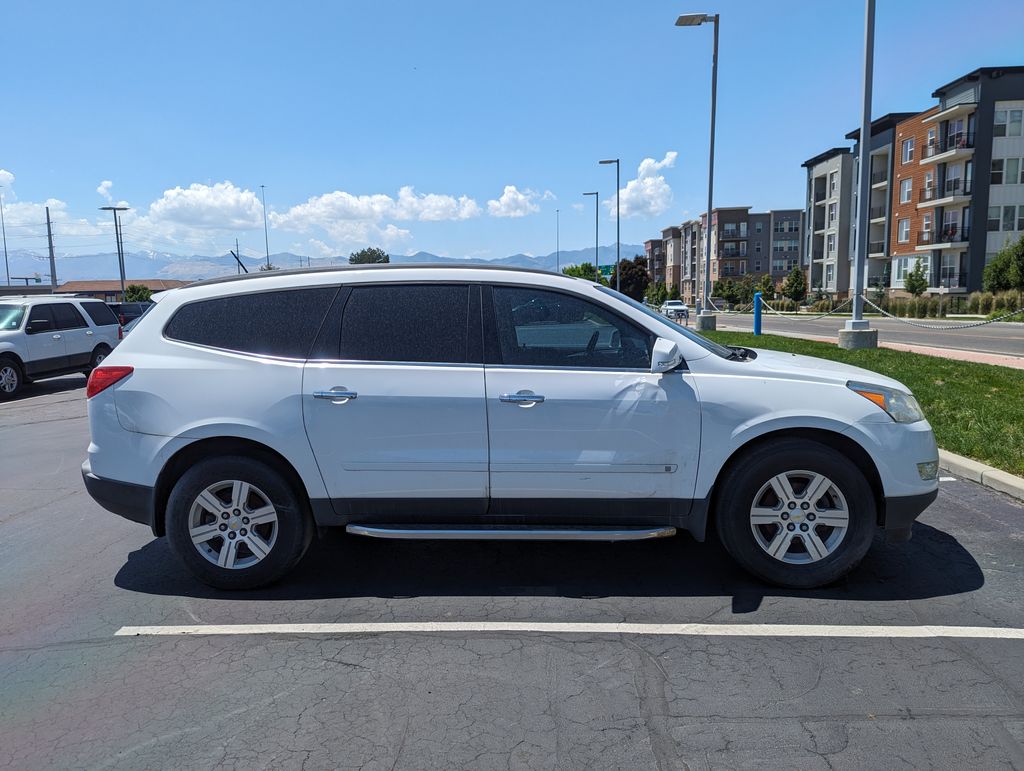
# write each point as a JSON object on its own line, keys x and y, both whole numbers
{"x": 149, "y": 264}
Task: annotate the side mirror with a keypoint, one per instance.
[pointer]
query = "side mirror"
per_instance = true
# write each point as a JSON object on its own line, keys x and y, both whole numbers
{"x": 666, "y": 356}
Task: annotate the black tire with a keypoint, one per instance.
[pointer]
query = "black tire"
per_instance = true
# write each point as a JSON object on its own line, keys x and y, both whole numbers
{"x": 12, "y": 378}
{"x": 745, "y": 480}
{"x": 294, "y": 526}
{"x": 100, "y": 352}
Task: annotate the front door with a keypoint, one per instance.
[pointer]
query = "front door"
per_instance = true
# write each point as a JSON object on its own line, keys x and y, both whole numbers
{"x": 578, "y": 425}
{"x": 45, "y": 342}
{"x": 395, "y": 413}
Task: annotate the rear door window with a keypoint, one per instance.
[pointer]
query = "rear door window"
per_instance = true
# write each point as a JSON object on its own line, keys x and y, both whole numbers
{"x": 281, "y": 323}
{"x": 100, "y": 314}
{"x": 66, "y": 316}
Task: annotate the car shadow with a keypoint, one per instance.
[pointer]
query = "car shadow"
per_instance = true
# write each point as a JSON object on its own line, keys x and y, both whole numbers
{"x": 57, "y": 385}
{"x": 932, "y": 564}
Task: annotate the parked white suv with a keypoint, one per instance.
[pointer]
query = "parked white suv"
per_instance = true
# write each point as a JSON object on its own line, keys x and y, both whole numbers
{"x": 242, "y": 414}
{"x": 45, "y": 336}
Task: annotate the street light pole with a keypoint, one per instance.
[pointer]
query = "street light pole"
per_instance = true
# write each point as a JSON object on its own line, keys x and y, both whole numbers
{"x": 558, "y": 250}
{"x": 618, "y": 257}
{"x": 120, "y": 243}
{"x": 706, "y": 319}
{"x": 858, "y": 332}
{"x": 266, "y": 233}
{"x": 597, "y": 260}
{"x": 3, "y": 229}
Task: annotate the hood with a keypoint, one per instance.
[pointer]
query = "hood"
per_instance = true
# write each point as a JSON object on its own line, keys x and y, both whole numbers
{"x": 799, "y": 367}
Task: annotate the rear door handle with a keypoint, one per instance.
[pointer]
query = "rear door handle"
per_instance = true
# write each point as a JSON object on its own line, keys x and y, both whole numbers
{"x": 88, "y": 331}
{"x": 337, "y": 394}
{"x": 56, "y": 337}
{"x": 523, "y": 397}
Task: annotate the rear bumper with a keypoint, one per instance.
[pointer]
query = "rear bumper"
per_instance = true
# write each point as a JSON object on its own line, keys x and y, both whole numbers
{"x": 131, "y": 501}
{"x": 900, "y": 512}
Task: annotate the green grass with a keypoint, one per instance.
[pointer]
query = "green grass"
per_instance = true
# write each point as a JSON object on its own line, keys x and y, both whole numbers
{"x": 976, "y": 410}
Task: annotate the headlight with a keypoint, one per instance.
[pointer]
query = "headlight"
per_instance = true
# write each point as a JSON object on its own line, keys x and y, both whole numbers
{"x": 901, "y": 406}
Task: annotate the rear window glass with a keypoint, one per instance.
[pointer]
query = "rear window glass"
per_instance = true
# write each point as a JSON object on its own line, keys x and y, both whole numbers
{"x": 282, "y": 323}
{"x": 11, "y": 316}
{"x": 100, "y": 314}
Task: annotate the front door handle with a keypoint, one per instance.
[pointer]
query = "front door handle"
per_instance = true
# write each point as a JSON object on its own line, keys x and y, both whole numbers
{"x": 524, "y": 398}
{"x": 88, "y": 331}
{"x": 56, "y": 337}
{"x": 338, "y": 395}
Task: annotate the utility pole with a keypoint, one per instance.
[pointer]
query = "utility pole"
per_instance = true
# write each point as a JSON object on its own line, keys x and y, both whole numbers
{"x": 119, "y": 241}
{"x": 618, "y": 257}
{"x": 597, "y": 212}
{"x": 53, "y": 262}
{"x": 558, "y": 250}
{"x": 266, "y": 233}
{"x": 236, "y": 257}
{"x": 3, "y": 229}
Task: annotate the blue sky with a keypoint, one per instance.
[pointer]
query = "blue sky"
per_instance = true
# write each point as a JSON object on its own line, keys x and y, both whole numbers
{"x": 490, "y": 115}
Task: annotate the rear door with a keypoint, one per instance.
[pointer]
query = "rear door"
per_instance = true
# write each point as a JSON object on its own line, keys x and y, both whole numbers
{"x": 45, "y": 341}
{"x": 406, "y": 433}
{"x": 79, "y": 340}
{"x": 104, "y": 322}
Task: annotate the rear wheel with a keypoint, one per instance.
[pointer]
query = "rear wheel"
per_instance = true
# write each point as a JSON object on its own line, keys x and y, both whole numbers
{"x": 796, "y": 513}
{"x": 236, "y": 523}
{"x": 11, "y": 378}
{"x": 98, "y": 355}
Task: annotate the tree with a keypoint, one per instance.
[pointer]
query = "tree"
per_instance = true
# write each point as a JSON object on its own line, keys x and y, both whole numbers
{"x": 137, "y": 293}
{"x": 766, "y": 286}
{"x": 745, "y": 290}
{"x": 916, "y": 281}
{"x": 673, "y": 292}
{"x": 656, "y": 294}
{"x": 795, "y": 285}
{"x": 878, "y": 291}
{"x": 585, "y": 270}
{"x": 371, "y": 255}
{"x": 634, "y": 280}
{"x": 1006, "y": 270}
{"x": 724, "y": 288}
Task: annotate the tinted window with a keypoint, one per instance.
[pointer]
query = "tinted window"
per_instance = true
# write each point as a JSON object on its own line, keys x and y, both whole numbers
{"x": 100, "y": 314}
{"x": 551, "y": 329}
{"x": 66, "y": 316}
{"x": 40, "y": 319}
{"x": 400, "y": 322}
{"x": 11, "y": 316}
{"x": 280, "y": 323}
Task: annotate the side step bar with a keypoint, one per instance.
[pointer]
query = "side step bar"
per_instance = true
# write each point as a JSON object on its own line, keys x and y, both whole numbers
{"x": 510, "y": 533}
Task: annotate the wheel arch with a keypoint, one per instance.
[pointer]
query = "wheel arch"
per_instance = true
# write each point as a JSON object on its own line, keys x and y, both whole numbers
{"x": 202, "y": 449}
{"x": 7, "y": 353}
{"x": 839, "y": 442}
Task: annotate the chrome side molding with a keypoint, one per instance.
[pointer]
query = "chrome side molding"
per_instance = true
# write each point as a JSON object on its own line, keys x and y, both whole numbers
{"x": 510, "y": 533}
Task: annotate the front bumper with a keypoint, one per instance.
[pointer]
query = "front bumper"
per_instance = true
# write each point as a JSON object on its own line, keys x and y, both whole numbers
{"x": 131, "y": 501}
{"x": 900, "y": 511}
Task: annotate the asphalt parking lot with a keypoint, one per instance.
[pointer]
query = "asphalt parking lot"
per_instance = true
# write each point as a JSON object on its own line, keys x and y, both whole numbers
{"x": 75, "y": 694}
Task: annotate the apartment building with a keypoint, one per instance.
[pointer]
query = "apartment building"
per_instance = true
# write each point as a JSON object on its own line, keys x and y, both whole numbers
{"x": 786, "y": 227}
{"x": 692, "y": 238}
{"x": 654, "y": 252}
{"x": 828, "y": 217}
{"x": 671, "y": 239}
{"x": 889, "y": 185}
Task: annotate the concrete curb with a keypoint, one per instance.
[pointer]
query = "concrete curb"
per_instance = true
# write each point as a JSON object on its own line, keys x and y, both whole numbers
{"x": 982, "y": 474}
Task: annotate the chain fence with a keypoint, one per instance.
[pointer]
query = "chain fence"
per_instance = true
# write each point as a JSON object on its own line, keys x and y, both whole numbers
{"x": 943, "y": 327}
{"x": 791, "y": 317}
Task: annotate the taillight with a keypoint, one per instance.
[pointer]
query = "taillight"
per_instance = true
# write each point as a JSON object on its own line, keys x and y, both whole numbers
{"x": 102, "y": 378}
{"x": 120, "y": 333}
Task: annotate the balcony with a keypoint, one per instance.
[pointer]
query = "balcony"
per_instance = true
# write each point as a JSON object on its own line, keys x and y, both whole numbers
{"x": 879, "y": 177}
{"x": 945, "y": 193}
{"x": 817, "y": 254}
{"x": 949, "y": 147}
{"x": 876, "y": 247}
{"x": 951, "y": 278}
{"x": 947, "y": 235}
{"x": 876, "y": 213}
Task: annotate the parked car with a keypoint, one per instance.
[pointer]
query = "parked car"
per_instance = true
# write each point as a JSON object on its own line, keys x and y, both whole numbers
{"x": 135, "y": 322}
{"x": 675, "y": 309}
{"x": 242, "y": 414}
{"x": 128, "y": 312}
{"x": 46, "y": 336}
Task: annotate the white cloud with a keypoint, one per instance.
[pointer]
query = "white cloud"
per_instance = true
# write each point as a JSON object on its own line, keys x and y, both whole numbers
{"x": 431, "y": 207}
{"x": 7, "y": 180}
{"x": 104, "y": 189}
{"x": 649, "y": 194}
{"x": 208, "y": 207}
{"x": 514, "y": 203}
{"x": 578, "y": 206}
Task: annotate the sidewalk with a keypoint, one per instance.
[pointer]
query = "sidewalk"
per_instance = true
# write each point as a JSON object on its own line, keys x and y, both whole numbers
{"x": 1000, "y": 360}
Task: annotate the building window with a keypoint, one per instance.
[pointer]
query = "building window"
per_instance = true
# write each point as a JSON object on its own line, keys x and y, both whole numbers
{"x": 743, "y": 230}
{"x": 758, "y": 227}
{"x": 993, "y": 219}
{"x": 833, "y": 183}
{"x": 1009, "y": 217}
{"x": 908, "y": 150}
{"x": 931, "y": 142}
{"x": 831, "y": 250}
{"x": 999, "y": 124}
{"x": 1012, "y": 171}
{"x": 903, "y": 234}
{"x": 757, "y": 265}
{"x": 830, "y": 274}
{"x": 905, "y": 190}
{"x": 997, "y": 171}
{"x": 832, "y": 210}
{"x": 1016, "y": 122}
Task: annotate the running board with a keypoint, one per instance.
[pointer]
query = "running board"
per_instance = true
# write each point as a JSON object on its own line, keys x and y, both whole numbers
{"x": 510, "y": 533}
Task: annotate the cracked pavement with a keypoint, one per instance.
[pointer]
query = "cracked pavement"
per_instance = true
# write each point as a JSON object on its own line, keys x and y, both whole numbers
{"x": 74, "y": 696}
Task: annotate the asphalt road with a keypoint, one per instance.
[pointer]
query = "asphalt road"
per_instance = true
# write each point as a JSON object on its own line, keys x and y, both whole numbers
{"x": 74, "y": 695}
{"x": 1004, "y": 337}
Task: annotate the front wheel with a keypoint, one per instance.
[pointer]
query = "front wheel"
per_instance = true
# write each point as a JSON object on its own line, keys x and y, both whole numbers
{"x": 796, "y": 513}
{"x": 11, "y": 378}
{"x": 236, "y": 523}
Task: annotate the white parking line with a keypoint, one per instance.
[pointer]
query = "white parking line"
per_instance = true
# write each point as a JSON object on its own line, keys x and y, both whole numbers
{"x": 672, "y": 630}
{"x": 947, "y": 479}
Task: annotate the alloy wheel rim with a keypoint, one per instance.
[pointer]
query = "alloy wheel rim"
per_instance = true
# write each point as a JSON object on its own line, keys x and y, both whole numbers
{"x": 8, "y": 379}
{"x": 233, "y": 524}
{"x": 799, "y": 517}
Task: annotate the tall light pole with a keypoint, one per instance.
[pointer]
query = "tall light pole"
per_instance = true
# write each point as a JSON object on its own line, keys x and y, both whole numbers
{"x": 120, "y": 242}
{"x": 266, "y": 233}
{"x": 857, "y": 332}
{"x": 706, "y": 319}
{"x": 558, "y": 249}
{"x": 3, "y": 229}
{"x": 618, "y": 258}
{"x": 597, "y": 260}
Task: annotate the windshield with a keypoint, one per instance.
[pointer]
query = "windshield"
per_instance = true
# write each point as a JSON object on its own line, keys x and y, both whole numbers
{"x": 700, "y": 340}
{"x": 11, "y": 316}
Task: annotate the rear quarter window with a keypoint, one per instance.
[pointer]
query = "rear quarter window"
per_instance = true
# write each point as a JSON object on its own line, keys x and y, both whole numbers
{"x": 100, "y": 314}
{"x": 281, "y": 323}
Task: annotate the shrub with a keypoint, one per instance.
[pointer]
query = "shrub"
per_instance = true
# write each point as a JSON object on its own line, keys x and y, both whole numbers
{"x": 985, "y": 303}
{"x": 972, "y": 302}
{"x": 933, "y": 308}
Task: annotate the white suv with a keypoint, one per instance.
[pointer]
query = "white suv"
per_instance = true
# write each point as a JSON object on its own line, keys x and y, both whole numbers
{"x": 50, "y": 335}
{"x": 243, "y": 414}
